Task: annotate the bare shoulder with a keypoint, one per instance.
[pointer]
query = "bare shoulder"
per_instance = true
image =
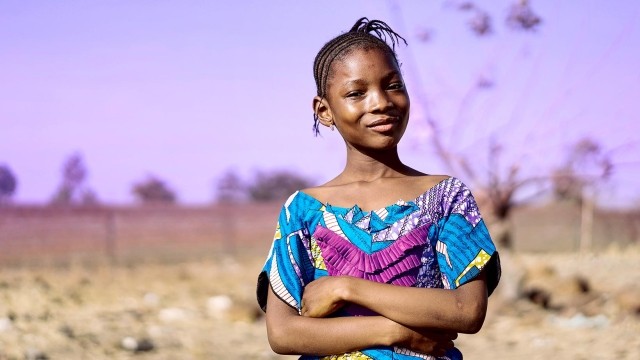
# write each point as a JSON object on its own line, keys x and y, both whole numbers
{"x": 320, "y": 191}
{"x": 428, "y": 181}
{"x": 313, "y": 191}
{"x": 412, "y": 186}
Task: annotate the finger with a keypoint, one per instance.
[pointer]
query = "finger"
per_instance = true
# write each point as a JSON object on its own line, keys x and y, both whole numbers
{"x": 447, "y": 345}
{"x": 449, "y": 335}
{"x": 438, "y": 352}
{"x": 439, "y": 336}
{"x": 446, "y": 335}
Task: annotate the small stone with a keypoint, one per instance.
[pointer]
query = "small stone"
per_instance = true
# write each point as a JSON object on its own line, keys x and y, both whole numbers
{"x": 132, "y": 344}
{"x": 145, "y": 345}
{"x": 581, "y": 321}
{"x": 170, "y": 315}
{"x": 67, "y": 331}
{"x": 5, "y": 324}
{"x": 218, "y": 306}
{"x": 129, "y": 343}
{"x": 151, "y": 299}
{"x": 35, "y": 354}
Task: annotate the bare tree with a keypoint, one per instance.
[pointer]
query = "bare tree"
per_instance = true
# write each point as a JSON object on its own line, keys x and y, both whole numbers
{"x": 586, "y": 166}
{"x": 522, "y": 17}
{"x": 8, "y": 184}
{"x": 499, "y": 170}
{"x": 496, "y": 180}
{"x": 519, "y": 17}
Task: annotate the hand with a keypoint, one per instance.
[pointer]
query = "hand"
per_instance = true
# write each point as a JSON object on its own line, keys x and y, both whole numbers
{"x": 322, "y": 297}
{"x": 426, "y": 341}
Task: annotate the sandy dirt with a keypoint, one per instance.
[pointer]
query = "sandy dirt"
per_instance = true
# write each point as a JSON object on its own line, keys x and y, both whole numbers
{"x": 206, "y": 310}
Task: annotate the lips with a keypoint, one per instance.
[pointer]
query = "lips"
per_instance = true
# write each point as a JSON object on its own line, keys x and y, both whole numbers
{"x": 383, "y": 125}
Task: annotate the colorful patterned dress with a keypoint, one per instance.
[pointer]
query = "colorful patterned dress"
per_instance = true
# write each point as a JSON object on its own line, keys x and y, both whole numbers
{"x": 437, "y": 240}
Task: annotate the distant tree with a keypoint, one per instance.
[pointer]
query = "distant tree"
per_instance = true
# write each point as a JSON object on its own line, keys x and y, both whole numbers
{"x": 89, "y": 197}
{"x": 75, "y": 171}
{"x": 73, "y": 189}
{"x": 62, "y": 196}
{"x": 8, "y": 184}
{"x": 154, "y": 191}
{"x": 586, "y": 165}
{"x": 230, "y": 188}
{"x": 276, "y": 185}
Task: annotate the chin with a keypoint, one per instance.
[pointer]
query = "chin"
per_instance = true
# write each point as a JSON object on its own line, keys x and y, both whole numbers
{"x": 386, "y": 145}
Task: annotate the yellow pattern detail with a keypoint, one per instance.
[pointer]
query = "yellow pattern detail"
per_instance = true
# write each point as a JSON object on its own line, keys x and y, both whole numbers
{"x": 356, "y": 355}
{"x": 278, "y": 235}
{"x": 316, "y": 254}
{"x": 480, "y": 261}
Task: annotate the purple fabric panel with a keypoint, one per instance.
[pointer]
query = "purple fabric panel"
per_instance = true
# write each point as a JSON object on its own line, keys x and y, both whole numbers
{"x": 398, "y": 264}
{"x": 449, "y": 194}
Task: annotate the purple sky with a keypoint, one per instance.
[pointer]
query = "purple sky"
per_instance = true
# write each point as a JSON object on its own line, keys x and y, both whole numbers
{"x": 188, "y": 89}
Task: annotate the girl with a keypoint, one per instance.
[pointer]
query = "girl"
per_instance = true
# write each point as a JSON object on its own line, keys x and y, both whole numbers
{"x": 353, "y": 272}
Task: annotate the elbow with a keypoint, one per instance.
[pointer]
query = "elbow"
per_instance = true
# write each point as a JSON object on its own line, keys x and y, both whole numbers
{"x": 280, "y": 348}
{"x": 280, "y": 340}
{"x": 472, "y": 316}
{"x": 473, "y": 325}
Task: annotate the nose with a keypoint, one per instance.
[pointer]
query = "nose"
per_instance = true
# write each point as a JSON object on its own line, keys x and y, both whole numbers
{"x": 380, "y": 101}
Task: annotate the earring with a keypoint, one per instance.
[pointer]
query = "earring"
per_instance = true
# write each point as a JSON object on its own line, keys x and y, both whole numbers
{"x": 331, "y": 127}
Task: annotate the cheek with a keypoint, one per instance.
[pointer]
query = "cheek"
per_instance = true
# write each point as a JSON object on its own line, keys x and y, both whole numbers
{"x": 344, "y": 112}
{"x": 403, "y": 100}
{"x": 403, "y": 105}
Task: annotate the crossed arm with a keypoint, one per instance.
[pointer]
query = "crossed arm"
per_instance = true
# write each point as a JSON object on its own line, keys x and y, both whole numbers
{"x": 424, "y": 320}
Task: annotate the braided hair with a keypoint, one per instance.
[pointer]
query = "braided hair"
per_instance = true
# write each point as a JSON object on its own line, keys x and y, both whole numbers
{"x": 365, "y": 34}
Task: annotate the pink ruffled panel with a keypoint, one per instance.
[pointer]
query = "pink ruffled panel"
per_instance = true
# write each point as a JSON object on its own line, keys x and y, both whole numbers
{"x": 398, "y": 263}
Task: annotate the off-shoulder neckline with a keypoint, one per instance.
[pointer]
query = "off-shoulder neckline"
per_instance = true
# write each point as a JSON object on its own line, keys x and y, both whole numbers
{"x": 399, "y": 202}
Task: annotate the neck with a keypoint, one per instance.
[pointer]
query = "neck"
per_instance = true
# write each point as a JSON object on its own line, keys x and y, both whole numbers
{"x": 371, "y": 165}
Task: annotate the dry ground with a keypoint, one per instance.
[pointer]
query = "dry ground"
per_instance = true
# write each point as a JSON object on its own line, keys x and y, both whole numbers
{"x": 85, "y": 311}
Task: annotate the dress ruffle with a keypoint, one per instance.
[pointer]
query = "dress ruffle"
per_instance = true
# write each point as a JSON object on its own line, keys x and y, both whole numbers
{"x": 398, "y": 263}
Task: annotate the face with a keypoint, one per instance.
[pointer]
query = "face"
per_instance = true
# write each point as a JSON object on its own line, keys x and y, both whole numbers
{"x": 366, "y": 100}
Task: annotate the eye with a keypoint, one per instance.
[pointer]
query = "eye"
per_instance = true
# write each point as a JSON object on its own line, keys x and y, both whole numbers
{"x": 398, "y": 85}
{"x": 355, "y": 93}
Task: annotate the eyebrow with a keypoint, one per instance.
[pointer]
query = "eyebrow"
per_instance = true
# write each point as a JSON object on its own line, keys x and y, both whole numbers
{"x": 388, "y": 76}
{"x": 354, "y": 82}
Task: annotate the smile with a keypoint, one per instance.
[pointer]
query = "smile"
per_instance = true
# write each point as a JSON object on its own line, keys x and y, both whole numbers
{"x": 383, "y": 125}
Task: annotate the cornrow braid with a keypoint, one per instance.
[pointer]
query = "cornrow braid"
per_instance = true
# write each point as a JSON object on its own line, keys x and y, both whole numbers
{"x": 364, "y": 34}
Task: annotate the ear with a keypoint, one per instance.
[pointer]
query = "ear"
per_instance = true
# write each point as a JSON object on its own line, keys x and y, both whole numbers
{"x": 323, "y": 111}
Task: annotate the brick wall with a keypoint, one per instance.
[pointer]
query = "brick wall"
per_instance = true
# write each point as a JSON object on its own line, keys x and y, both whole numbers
{"x": 31, "y": 234}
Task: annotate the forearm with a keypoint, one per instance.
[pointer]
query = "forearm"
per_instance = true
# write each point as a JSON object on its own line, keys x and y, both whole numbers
{"x": 290, "y": 333}
{"x": 322, "y": 336}
{"x": 460, "y": 310}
